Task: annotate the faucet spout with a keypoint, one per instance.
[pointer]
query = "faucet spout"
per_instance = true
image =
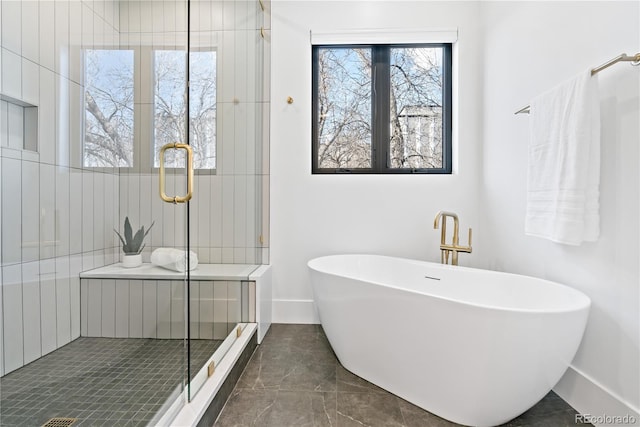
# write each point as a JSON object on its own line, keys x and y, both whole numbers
{"x": 440, "y": 221}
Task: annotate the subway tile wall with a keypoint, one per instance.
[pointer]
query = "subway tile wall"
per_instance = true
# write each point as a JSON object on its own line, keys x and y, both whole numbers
{"x": 57, "y": 217}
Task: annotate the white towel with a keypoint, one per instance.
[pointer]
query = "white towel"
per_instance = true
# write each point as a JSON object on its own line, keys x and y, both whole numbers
{"x": 174, "y": 259}
{"x": 564, "y": 163}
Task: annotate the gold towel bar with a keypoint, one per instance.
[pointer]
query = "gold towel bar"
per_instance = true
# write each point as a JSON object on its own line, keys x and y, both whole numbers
{"x": 635, "y": 60}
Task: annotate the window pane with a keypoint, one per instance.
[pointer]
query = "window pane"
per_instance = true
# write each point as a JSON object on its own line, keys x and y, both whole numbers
{"x": 169, "y": 115}
{"x": 108, "y": 118}
{"x": 416, "y": 107}
{"x": 344, "y": 108}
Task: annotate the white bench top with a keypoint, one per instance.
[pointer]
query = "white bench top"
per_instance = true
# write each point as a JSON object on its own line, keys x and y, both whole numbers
{"x": 148, "y": 271}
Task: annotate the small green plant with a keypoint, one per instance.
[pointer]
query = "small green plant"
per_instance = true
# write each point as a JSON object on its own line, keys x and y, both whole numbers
{"x": 133, "y": 244}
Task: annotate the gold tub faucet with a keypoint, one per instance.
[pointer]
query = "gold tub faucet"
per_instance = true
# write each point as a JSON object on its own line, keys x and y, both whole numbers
{"x": 454, "y": 248}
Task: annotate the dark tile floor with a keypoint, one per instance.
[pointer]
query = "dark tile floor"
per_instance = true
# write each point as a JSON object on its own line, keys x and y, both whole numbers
{"x": 100, "y": 381}
{"x": 295, "y": 380}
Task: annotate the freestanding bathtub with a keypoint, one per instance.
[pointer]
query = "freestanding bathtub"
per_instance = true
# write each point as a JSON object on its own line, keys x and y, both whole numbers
{"x": 475, "y": 347}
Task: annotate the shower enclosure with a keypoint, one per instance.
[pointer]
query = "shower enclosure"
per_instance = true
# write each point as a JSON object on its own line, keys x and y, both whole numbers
{"x": 89, "y": 96}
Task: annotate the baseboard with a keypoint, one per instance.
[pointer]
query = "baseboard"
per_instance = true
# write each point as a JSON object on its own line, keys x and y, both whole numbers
{"x": 598, "y": 405}
{"x": 295, "y": 311}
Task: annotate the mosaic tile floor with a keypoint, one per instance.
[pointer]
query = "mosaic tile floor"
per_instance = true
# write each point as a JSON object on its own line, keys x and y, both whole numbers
{"x": 100, "y": 381}
{"x": 294, "y": 380}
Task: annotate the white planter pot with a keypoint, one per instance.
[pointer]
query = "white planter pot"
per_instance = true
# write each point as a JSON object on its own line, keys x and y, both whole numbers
{"x": 130, "y": 261}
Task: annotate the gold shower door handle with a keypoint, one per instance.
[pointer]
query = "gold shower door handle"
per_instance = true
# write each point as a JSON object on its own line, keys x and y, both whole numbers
{"x": 163, "y": 195}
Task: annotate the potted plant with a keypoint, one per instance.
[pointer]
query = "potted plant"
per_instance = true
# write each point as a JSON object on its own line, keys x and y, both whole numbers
{"x": 132, "y": 245}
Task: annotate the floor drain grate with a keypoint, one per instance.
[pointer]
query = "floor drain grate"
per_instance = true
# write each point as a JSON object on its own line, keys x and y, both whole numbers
{"x": 59, "y": 422}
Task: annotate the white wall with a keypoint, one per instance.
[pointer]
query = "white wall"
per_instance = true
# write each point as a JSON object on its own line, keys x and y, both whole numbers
{"x": 529, "y": 48}
{"x": 508, "y": 53}
{"x": 57, "y": 218}
{"x": 315, "y": 215}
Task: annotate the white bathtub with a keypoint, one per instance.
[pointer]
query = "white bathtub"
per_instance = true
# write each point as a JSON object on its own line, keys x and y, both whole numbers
{"x": 473, "y": 346}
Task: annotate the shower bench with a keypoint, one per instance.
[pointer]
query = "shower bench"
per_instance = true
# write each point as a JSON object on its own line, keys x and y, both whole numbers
{"x": 149, "y": 301}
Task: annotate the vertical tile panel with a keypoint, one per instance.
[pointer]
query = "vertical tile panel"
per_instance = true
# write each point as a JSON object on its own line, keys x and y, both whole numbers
{"x": 180, "y": 211}
{"x": 146, "y": 218}
{"x": 63, "y": 301}
{"x": 48, "y": 305}
{"x": 149, "y": 308}
{"x": 76, "y": 112}
{"x": 240, "y": 212}
{"x": 84, "y": 307}
{"x": 203, "y": 191}
{"x": 62, "y": 37}
{"x": 228, "y": 209}
{"x": 4, "y": 118}
{"x": 109, "y": 308}
{"x": 177, "y": 309}
{"x": 11, "y": 218}
{"x": 12, "y": 317}
{"x": 77, "y": 297}
{"x": 12, "y": 26}
{"x": 87, "y": 26}
{"x": 75, "y": 211}
{"x": 206, "y": 310}
{"x": 234, "y": 306}
{"x": 194, "y": 310}
{"x": 30, "y": 82}
{"x": 75, "y": 41}
{"x": 94, "y": 307}
{"x": 30, "y": 211}
{"x": 225, "y": 136}
{"x": 11, "y": 74}
{"x": 157, "y": 210}
{"x": 31, "y": 300}
{"x": 30, "y": 31}
{"x": 133, "y": 202}
{"x": 169, "y": 215}
{"x": 122, "y": 309}
{"x": 87, "y": 210}
{"x": 15, "y": 126}
{"x": 240, "y": 141}
{"x": 47, "y": 117}
{"x": 163, "y": 309}
{"x": 98, "y": 211}
{"x": 220, "y": 310}
{"x": 47, "y": 211}
{"x": 62, "y": 200}
{"x": 62, "y": 120}
{"x": 215, "y": 213}
{"x": 108, "y": 223}
{"x": 136, "y": 309}
{"x": 46, "y": 27}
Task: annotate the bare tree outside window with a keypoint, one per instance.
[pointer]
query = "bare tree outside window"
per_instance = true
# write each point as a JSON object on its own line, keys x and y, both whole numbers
{"x": 416, "y": 108}
{"x": 108, "y": 123}
{"x": 344, "y": 108}
{"x": 382, "y": 108}
{"x": 109, "y": 108}
{"x": 170, "y": 107}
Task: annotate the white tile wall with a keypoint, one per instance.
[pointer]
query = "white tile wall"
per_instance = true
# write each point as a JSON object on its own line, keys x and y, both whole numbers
{"x": 31, "y": 314}
{"x": 155, "y": 308}
{"x": 42, "y": 231}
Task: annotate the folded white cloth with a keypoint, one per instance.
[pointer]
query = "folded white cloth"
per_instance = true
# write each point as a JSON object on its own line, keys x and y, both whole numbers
{"x": 174, "y": 259}
{"x": 564, "y": 163}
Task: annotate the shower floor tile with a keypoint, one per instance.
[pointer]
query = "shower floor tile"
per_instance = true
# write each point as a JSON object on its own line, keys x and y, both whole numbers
{"x": 294, "y": 379}
{"x": 100, "y": 381}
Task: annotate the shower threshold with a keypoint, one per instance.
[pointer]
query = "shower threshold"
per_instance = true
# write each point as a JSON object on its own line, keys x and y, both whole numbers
{"x": 99, "y": 381}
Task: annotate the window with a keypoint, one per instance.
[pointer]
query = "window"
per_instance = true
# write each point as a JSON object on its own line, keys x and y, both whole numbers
{"x": 108, "y": 118}
{"x": 170, "y": 106}
{"x": 382, "y": 108}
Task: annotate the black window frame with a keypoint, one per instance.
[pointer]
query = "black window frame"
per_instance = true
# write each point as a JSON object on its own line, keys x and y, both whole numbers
{"x": 380, "y": 110}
